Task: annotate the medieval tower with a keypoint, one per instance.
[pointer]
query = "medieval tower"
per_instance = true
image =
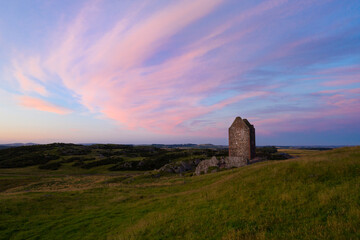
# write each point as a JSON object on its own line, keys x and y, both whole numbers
{"x": 241, "y": 141}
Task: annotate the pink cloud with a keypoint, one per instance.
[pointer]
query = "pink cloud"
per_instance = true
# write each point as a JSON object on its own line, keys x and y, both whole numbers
{"x": 341, "y": 70}
{"x": 109, "y": 73}
{"x": 339, "y": 108}
{"x": 339, "y": 76}
{"x": 157, "y": 98}
{"x": 145, "y": 38}
{"x": 354, "y": 90}
{"x": 41, "y": 105}
{"x": 343, "y": 80}
{"x": 327, "y": 91}
{"x": 27, "y": 84}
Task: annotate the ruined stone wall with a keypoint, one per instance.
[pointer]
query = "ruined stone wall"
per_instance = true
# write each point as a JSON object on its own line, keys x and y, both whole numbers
{"x": 235, "y": 161}
{"x": 239, "y": 141}
{"x": 252, "y": 138}
{"x": 241, "y": 148}
{"x": 252, "y": 143}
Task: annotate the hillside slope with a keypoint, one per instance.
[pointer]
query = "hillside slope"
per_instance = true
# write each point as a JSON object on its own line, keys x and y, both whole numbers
{"x": 311, "y": 197}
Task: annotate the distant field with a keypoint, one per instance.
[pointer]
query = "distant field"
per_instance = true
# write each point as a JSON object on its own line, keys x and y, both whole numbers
{"x": 316, "y": 196}
{"x": 298, "y": 152}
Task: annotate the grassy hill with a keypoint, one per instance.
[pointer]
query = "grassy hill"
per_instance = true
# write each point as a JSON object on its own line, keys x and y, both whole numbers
{"x": 73, "y": 158}
{"x": 314, "y": 196}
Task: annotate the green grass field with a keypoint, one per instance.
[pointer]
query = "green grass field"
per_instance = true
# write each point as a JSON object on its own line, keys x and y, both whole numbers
{"x": 314, "y": 196}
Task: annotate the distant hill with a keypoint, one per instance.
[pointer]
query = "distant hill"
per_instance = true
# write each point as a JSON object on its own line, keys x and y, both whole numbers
{"x": 3, "y": 146}
{"x": 190, "y": 145}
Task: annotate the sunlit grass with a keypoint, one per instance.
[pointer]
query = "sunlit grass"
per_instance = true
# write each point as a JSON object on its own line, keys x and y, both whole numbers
{"x": 295, "y": 152}
{"x": 315, "y": 196}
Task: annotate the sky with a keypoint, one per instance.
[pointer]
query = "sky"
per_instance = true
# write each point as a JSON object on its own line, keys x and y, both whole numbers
{"x": 141, "y": 72}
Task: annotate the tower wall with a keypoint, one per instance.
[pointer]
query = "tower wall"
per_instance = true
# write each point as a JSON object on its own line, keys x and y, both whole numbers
{"x": 241, "y": 142}
{"x": 252, "y": 138}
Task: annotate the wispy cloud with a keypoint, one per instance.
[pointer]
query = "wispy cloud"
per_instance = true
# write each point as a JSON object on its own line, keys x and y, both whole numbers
{"x": 28, "y": 79}
{"x": 163, "y": 68}
{"x": 41, "y": 105}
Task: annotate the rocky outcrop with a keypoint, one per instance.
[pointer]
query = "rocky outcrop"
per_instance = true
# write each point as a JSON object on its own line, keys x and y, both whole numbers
{"x": 214, "y": 164}
{"x": 204, "y": 166}
{"x": 180, "y": 167}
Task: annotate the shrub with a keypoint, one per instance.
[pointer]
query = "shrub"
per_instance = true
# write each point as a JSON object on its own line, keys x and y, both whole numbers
{"x": 102, "y": 162}
{"x": 124, "y": 166}
{"x": 24, "y": 160}
{"x": 51, "y": 166}
{"x": 78, "y": 150}
{"x": 279, "y": 156}
{"x": 78, "y": 164}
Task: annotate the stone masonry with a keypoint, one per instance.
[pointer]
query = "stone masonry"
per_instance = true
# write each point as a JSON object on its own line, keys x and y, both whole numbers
{"x": 252, "y": 138}
{"x": 241, "y": 142}
{"x": 241, "y": 148}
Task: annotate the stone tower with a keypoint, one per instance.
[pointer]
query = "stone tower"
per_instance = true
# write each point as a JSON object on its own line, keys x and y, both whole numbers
{"x": 241, "y": 142}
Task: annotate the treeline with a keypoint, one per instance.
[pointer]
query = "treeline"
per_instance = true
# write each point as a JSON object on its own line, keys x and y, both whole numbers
{"x": 271, "y": 153}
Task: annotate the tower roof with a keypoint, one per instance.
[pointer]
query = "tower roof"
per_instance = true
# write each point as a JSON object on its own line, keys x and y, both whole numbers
{"x": 238, "y": 122}
{"x": 248, "y": 123}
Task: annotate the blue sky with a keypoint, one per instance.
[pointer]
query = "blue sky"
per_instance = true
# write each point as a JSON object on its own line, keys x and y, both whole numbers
{"x": 180, "y": 71}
